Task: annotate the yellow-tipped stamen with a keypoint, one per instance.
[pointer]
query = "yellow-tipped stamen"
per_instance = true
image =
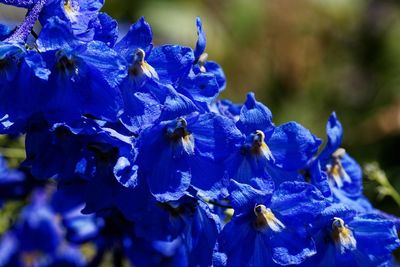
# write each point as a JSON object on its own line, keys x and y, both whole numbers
{"x": 140, "y": 66}
{"x": 342, "y": 236}
{"x": 202, "y": 61}
{"x": 71, "y": 10}
{"x": 265, "y": 219}
{"x": 259, "y": 147}
{"x": 336, "y": 171}
{"x": 179, "y": 134}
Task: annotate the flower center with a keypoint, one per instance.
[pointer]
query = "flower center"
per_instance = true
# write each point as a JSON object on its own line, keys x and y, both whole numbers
{"x": 342, "y": 236}
{"x": 178, "y": 134}
{"x": 66, "y": 64}
{"x": 258, "y": 146}
{"x": 336, "y": 171}
{"x": 140, "y": 67}
{"x": 70, "y": 9}
{"x": 265, "y": 219}
{"x": 202, "y": 62}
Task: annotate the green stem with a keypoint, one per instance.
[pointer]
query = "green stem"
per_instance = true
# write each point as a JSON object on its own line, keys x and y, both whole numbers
{"x": 375, "y": 173}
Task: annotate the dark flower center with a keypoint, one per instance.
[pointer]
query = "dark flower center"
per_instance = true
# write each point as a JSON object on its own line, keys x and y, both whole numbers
{"x": 178, "y": 131}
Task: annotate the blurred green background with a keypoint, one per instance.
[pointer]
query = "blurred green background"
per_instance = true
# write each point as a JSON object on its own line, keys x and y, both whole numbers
{"x": 303, "y": 59}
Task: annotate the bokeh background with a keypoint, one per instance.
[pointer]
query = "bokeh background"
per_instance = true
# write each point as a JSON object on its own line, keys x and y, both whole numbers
{"x": 303, "y": 59}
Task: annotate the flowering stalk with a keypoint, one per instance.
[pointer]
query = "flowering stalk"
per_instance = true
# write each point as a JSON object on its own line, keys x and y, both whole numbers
{"x": 19, "y": 3}
{"x": 23, "y": 31}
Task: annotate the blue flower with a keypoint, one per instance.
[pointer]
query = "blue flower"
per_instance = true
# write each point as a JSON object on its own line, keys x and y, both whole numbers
{"x": 347, "y": 238}
{"x": 18, "y": 67}
{"x": 269, "y": 228}
{"x": 84, "y": 76}
{"x": 90, "y": 162}
{"x": 188, "y": 227}
{"x": 148, "y": 90}
{"x": 206, "y": 79}
{"x": 105, "y": 29}
{"x": 37, "y": 238}
{"x": 12, "y": 182}
{"x": 80, "y": 14}
{"x": 184, "y": 151}
{"x": 268, "y": 151}
{"x": 336, "y": 174}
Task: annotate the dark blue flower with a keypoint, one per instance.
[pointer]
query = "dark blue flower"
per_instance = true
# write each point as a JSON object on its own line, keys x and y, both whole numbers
{"x": 80, "y": 14}
{"x": 91, "y": 163}
{"x": 338, "y": 170}
{"x": 188, "y": 223}
{"x": 347, "y": 238}
{"x": 184, "y": 151}
{"x": 206, "y": 79}
{"x": 268, "y": 151}
{"x": 18, "y": 102}
{"x": 37, "y": 238}
{"x": 269, "y": 228}
{"x": 148, "y": 90}
{"x": 105, "y": 29}
{"x": 12, "y": 182}
{"x": 84, "y": 78}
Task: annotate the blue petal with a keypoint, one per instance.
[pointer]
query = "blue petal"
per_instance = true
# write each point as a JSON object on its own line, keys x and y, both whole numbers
{"x": 255, "y": 116}
{"x": 292, "y": 247}
{"x": 215, "y": 136}
{"x": 375, "y": 235}
{"x": 297, "y": 202}
{"x": 106, "y": 29}
{"x": 176, "y": 105}
{"x": 126, "y": 172}
{"x": 237, "y": 241}
{"x": 334, "y": 133}
{"x": 218, "y": 72}
{"x": 5, "y": 31}
{"x": 293, "y": 146}
{"x": 203, "y": 236}
{"x": 244, "y": 197}
{"x": 171, "y": 62}
{"x": 138, "y": 36}
{"x": 353, "y": 189}
{"x": 141, "y": 110}
{"x": 106, "y": 61}
{"x": 202, "y": 87}
{"x": 228, "y": 109}
{"x": 201, "y": 41}
{"x": 56, "y": 34}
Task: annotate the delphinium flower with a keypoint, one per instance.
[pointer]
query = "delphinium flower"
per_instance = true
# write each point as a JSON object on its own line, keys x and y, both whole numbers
{"x": 336, "y": 173}
{"x": 146, "y": 165}
{"x": 191, "y": 150}
{"x": 206, "y": 78}
{"x": 269, "y": 227}
{"x": 148, "y": 90}
{"x": 12, "y": 182}
{"x": 37, "y": 238}
{"x": 346, "y": 237}
{"x": 100, "y": 161}
{"x": 18, "y": 67}
{"x": 269, "y": 151}
{"x": 81, "y": 14}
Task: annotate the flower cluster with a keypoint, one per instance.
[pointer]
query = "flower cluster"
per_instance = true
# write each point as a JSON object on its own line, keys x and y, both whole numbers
{"x": 129, "y": 153}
